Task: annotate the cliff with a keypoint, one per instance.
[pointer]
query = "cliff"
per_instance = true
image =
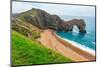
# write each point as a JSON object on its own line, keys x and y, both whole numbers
{"x": 43, "y": 20}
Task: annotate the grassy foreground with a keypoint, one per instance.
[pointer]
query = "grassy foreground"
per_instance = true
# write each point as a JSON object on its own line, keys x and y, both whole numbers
{"x": 26, "y": 51}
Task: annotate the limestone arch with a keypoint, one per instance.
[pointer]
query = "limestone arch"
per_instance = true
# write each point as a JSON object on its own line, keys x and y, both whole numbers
{"x": 76, "y": 22}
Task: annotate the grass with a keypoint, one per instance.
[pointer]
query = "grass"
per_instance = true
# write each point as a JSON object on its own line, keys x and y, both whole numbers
{"x": 27, "y": 15}
{"x": 26, "y": 51}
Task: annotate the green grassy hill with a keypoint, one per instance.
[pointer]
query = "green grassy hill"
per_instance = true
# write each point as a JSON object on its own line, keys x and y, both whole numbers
{"x": 26, "y": 51}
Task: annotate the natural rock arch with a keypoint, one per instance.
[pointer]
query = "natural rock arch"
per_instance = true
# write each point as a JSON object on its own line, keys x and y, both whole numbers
{"x": 75, "y": 22}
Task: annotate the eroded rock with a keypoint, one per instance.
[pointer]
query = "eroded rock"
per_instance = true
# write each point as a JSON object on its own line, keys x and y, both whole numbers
{"x": 44, "y": 20}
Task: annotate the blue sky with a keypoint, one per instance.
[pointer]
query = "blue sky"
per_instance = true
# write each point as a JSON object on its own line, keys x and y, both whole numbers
{"x": 70, "y": 10}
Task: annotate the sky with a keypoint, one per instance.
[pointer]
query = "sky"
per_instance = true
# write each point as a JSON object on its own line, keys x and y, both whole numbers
{"x": 58, "y": 9}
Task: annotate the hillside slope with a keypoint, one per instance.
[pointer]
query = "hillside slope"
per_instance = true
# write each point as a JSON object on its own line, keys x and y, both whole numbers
{"x": 26, "y": 51}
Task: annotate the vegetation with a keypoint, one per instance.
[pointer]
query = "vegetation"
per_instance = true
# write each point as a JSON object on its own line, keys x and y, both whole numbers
{"x": 25, "y": 28}
{"x": 23, "y": 15}
{"x": 26, "y": 51}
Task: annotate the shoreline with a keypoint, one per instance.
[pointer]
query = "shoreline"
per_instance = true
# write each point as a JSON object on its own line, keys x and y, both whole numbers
{"x": 51, "y": 40}
{"x": 84, "y": 48}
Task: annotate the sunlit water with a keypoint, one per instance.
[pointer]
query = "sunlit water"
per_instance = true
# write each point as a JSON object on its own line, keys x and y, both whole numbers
{"x": 86, "y": 40}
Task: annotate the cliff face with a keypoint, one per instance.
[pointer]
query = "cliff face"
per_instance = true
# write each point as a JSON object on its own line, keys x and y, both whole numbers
{"x": 44, "y": 20}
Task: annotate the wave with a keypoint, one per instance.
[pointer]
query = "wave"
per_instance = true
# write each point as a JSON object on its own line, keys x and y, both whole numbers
{"x": 93, "y": 42}
{"x": 87, "y": 49}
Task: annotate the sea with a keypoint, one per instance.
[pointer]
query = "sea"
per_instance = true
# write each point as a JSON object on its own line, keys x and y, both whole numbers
{"x": 85, "y": 41}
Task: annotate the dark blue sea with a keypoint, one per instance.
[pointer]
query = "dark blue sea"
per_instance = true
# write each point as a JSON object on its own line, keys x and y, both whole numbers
{"x": 87, "y": 40}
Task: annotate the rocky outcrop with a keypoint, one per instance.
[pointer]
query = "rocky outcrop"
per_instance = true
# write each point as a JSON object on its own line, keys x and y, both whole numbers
{"x": 68, "y": 25}
{"x": 44, "y": 20}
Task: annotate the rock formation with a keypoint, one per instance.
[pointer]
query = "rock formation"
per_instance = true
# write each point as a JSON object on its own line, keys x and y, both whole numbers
{"x": 44, "y": 20}
{"x": 68, "y": 25}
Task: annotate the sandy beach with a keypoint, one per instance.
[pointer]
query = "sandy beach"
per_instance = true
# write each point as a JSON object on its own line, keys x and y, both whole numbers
{"x": 50, "y": 40}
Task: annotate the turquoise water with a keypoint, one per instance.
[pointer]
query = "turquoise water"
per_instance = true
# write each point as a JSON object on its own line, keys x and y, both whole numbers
{"x": 88, "y": 39}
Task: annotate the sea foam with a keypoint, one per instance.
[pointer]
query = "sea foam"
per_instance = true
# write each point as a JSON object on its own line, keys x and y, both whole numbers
{"x": 78, "y": 45}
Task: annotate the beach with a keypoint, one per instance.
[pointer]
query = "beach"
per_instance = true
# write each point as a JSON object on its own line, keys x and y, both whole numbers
{"x": 50, "y": 40}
